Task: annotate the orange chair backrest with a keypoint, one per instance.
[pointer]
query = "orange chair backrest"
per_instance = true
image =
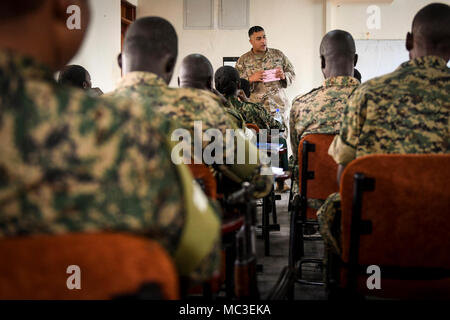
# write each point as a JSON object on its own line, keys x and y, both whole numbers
{"x": 253, "y": 126}
{"x": 203, "y": 173}
{"x": 324, "y": 167}
{"x": 111, "y": 265}
{"x": 410, "y": 215}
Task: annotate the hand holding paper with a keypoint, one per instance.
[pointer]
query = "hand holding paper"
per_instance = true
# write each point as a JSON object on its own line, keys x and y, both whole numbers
{"x": 271, "y": 75}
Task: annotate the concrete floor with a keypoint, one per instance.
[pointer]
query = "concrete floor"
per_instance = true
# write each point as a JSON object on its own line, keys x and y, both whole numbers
{"x": 278, "y": 259}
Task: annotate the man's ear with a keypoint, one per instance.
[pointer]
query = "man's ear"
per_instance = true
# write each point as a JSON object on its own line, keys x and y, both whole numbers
{"x": 356, "y": 60}
{"x": 119, "y": 60}
{"x": 85, "y": 85}
{"x": 209, "y": 83}
{"x": 409, "y": 41}
{"x": 322, "y": 62}
{"x": 170, "y": 64}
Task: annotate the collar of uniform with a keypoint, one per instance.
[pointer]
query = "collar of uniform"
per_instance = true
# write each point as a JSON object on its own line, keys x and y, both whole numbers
{"x": 141, "y": 78}
{"x": 341, "y": 81}
{"x": 259, "y": 56}
{"x": 426, "y": 62}
{"x": 12, "y": 63}
{"x": 234, "y": 101}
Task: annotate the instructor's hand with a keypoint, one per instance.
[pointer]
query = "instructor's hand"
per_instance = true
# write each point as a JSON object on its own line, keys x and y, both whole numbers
{"x": 280, "y": 74}
{"x": 257, "y": 77}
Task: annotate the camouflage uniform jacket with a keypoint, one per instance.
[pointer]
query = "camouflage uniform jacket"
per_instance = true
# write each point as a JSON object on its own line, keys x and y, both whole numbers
{"x": 320, "y": 111}
{"x": 403, "y": 112}
{"x": 185, "y": 106}
{"x": 270, "y": 94}
{"x": 73, "y": 163}
{"x": 255, "y": 113}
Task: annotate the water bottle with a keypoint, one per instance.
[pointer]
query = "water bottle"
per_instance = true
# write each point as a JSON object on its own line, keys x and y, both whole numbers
{"x": 278, "y": 116}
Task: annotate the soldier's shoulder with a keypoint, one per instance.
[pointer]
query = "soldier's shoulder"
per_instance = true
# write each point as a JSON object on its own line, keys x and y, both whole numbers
{"x": 197, "y": 96}
{"x": 276, "y": 52}
{"x": 303, "y": 97}
{"x": 245, "y": 56}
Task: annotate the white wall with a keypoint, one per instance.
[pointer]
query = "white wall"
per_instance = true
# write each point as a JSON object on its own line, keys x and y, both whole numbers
{"x": 102, "y": 45}
{"x": 396, "y": 18}
{"x": 293, "y": 26}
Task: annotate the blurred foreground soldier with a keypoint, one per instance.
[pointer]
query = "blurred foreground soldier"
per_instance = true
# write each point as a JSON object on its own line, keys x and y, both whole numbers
{"x": 73, "y": 163}
{"x": 78, "y": 77}
{"x": 148, "y": 60}
{"x": 404, "y": 112}
{"x": 269, "y": 72}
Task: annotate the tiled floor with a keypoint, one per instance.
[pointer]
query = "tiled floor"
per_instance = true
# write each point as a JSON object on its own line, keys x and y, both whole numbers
{"x": 278, "y": 259}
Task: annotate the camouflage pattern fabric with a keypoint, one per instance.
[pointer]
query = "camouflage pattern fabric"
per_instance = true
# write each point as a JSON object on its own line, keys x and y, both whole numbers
{"x": 271, "y": 94}
{"x": 185, "y": 106}
{"x": 255, "y": 113}
{"x": 73, "y": 163}
{"x": 320, "y": 111}
{"x": 404, "y": 112}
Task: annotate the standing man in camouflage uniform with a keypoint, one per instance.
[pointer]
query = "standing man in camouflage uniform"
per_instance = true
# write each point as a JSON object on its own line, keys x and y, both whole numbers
{"x": 148, "y": 60}
{"x": 252, "y": 66}
{"x": 406, "y": 111}
{"x": 73, "y": 163}
{"x": 320, "y": 111}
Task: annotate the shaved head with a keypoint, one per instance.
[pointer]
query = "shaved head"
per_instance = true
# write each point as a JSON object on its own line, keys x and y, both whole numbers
{"x": 150, "y": 45}
{"x": 430, "y": 32}
{"x": 196, "y": 72}
{"x": 338, "y": 54}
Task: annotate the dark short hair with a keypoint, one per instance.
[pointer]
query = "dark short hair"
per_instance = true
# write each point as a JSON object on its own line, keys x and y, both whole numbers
{"x": 227, "y": 80}
{"x": 432, "y": 23}
{"x": 244, "y": 85}
{"x": 152, "y": 36}
{"x": 17, "y": 8}
{"x": 73, "y": 75}
{"x": 254, "y": 30}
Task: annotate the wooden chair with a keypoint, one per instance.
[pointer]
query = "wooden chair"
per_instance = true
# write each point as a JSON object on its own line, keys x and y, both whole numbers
{"x": 231, "y": 223}
{"x": 396, "y": 215}
{"x": 253, "y": 126}
{"x": 111, "y": 265}
{"x": 203, "y": 175}
{"x": 317, "y": 179}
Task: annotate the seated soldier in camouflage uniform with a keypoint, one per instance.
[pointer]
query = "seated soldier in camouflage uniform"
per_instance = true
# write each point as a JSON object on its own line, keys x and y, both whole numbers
{"x": 320, "y": 110}
{"x": 404, "y": 112}
{"x": 73, "y": 163}
{"x": 148, "y": 60}
{"x": 227, "y": 83}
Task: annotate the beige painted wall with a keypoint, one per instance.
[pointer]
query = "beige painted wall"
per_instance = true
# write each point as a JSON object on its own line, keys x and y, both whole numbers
{"x": 293, "y": 26}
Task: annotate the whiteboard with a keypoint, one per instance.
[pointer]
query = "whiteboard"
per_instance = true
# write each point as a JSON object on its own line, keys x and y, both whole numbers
{"x": 378, "y": 57}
